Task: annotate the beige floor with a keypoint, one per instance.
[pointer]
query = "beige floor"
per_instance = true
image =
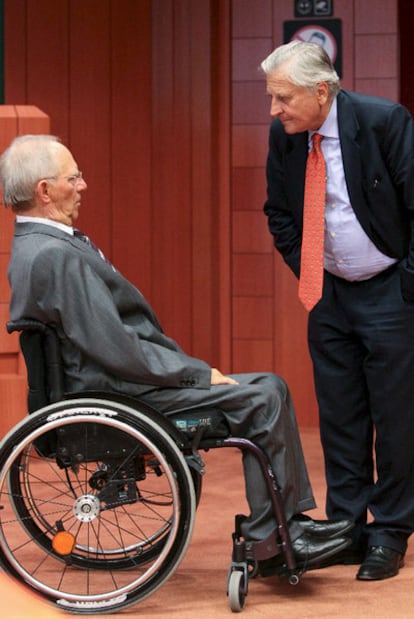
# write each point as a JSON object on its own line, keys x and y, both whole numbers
{"x": 198, "y": 589}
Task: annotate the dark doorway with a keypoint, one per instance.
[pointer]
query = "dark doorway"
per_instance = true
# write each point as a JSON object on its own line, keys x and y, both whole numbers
{"x": 406, "y": 23}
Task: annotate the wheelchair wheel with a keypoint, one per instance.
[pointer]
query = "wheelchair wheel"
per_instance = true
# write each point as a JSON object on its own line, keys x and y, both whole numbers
{"x": 97, "y": 504}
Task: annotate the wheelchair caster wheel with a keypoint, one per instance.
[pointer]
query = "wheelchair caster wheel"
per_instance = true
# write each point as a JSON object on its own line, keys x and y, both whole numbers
{"x": 294, "y": 579}
{"x": 237, "y": 591}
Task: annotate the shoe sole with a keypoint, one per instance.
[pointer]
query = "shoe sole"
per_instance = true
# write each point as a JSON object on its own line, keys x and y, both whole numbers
{"x": 302, "y": 566}
{"x": 353, "y": 558}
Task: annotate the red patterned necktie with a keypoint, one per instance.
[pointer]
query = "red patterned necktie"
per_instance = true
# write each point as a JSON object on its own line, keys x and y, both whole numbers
{"x": 311, "y": 267}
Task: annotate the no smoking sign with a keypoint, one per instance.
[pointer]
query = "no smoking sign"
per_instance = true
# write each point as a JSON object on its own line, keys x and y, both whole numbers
{"x": 326, "y": 33}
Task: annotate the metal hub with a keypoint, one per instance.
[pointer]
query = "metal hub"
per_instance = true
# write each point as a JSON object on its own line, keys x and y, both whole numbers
{"x": 86, "y": 508}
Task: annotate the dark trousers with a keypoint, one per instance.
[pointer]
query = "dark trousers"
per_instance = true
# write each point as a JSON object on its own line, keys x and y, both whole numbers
{"x": 361, "y": 339}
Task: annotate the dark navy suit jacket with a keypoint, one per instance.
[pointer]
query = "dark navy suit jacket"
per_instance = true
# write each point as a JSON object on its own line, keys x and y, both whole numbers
{"x": 377, "y": 143}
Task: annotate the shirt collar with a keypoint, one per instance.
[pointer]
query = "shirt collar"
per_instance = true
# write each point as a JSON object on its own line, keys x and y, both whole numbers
{"x": 329, "y": 128}
{"x": 48, "y": 222}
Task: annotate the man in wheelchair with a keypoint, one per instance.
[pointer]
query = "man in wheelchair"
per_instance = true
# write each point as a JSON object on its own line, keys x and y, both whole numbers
{"x": 111, "y": 341}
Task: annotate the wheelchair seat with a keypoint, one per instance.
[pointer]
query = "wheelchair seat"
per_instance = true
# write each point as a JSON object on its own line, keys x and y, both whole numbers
{"x": 98, "y": 491}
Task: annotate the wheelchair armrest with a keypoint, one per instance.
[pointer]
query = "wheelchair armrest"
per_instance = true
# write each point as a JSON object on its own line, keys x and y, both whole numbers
{"x": 25, "y": 325}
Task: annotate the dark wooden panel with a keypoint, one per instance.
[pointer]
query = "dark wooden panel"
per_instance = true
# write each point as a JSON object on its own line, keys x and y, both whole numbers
{"x": 250, "y": 233}
{"x": 222, "y": 173}
{"x": 291, "y": 356}
{"x": 252, "y": 275}
{"x": 204, "y": 209}
{"x": 9, "y": 125}
{"x": 251, "y": 105}
{"x": 90, "y": 112}
{"x": 247, "y": 55}
{"x": 48, "y": 60}
{"x": 253, "y": 318}
{"x": 8, "y": 343}
{"x": 15, "y": 51}
{"x": 131, "y": 173}
{"x": 6, "y": 230}
{"x": 13, "y": 401}
{"x": 387, "y": 87}
{"x": 344, "y": 10}
{"x": 253, "y": 354}
{"x": 9, "y": 363}
{"x": 172, "y": 226}
{"x": 376, "y": 55}
{"x": 31, "y": 119}
{"x": 248, "y": 188}
{"x": 249, "y": 145}
{"x": 247, "y": 22}
{"x": 406, "y": 53}
{"x": 4, "y": 285}
{"x": 382, "y": 18}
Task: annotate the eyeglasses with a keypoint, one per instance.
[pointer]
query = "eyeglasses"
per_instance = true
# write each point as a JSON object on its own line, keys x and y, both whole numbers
{"x": 72, "y": 178}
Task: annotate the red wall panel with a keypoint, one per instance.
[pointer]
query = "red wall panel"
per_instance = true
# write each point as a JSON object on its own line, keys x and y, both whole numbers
{"x": 14, "y": 120}
{"x": 166, "y": 112}
{"x": 130, "y": 148}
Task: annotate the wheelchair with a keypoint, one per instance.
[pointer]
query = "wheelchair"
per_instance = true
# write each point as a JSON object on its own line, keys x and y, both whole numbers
{"x": 98, "y": 492}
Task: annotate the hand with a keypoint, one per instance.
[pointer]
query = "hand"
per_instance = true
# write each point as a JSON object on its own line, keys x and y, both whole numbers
{"x": 217, "y": 378}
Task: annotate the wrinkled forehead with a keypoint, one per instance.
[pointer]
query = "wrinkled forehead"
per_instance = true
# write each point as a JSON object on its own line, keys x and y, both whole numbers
{"x": 278, "y": 82}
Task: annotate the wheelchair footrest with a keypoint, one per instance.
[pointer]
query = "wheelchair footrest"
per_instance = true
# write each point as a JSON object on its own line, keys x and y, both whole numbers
{"x": 247, "y": 554}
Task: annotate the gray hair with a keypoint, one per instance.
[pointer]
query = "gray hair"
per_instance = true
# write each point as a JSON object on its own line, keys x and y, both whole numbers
{"x": 306, "y": 65}
{"x": 28, "y": 159}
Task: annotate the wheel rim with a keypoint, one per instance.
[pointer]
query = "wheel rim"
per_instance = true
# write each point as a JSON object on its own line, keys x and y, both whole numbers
{"x": 82, "y": 518}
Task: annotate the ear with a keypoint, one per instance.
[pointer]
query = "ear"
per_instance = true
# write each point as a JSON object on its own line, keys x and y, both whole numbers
{"x": 322, "y": 93}
{"x": 42, "y": 192}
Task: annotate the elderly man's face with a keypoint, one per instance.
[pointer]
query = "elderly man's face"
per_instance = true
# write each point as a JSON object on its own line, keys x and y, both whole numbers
{"x": 65, "y": 190}
{"x": 298, "y": 109}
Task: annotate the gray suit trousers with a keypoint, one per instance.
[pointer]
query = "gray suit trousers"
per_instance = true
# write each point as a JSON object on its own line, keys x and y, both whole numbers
{"x": 259, "y": 409}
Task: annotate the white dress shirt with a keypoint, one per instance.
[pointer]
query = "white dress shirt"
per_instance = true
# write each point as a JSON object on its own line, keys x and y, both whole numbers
{"x": 349, "y": 252}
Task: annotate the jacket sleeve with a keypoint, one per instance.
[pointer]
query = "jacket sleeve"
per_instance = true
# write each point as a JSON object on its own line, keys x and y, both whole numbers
{"x": 287, "y": 235}
{"x": 69, "y": 291}
{"x": 399, "y": 152}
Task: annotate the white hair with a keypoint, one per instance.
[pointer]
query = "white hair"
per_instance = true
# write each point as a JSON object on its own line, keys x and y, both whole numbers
{"x": 305, "y": 64}
{"x": 28, "y": 159}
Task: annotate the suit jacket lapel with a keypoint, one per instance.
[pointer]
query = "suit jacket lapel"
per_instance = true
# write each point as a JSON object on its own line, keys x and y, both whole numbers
{"x": 351, "y": 156}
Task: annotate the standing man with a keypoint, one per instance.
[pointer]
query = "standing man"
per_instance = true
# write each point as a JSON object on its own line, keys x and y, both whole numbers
{"x": 361, "y": 298}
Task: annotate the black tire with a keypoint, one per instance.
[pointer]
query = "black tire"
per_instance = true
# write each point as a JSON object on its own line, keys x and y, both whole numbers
{"x": 125, "y": 518}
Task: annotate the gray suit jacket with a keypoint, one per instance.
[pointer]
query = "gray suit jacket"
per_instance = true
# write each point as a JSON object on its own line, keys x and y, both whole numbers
{"x": 111, "y": 339}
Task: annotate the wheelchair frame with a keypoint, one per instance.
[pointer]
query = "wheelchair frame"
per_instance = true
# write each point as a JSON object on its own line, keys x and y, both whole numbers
{"x": 98, "y": 492}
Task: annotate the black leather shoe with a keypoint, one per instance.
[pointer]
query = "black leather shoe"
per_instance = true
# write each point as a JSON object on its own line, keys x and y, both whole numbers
{"x": 324, "y": 529}
{"x": 380, "y": 563}
{"x": 308, "y": 552}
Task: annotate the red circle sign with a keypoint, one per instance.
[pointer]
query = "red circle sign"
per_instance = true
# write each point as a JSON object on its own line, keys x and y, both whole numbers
{"x": 320, "y": 35}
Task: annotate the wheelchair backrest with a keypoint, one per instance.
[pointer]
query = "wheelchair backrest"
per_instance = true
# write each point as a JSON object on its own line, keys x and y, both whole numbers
{"x": 40, "y": 347}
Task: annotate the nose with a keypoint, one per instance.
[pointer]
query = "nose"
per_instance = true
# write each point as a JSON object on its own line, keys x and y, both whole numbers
{"x": 81, "y": 184}
{"x": 275, "y": 107}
